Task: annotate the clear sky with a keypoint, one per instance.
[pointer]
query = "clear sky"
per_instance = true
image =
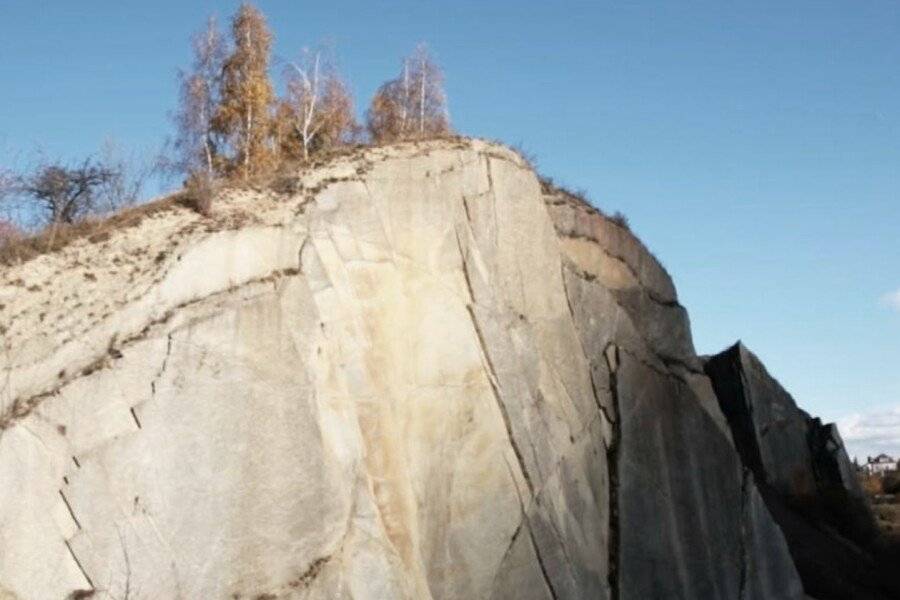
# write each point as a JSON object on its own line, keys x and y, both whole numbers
{"x": 755, "y": 146}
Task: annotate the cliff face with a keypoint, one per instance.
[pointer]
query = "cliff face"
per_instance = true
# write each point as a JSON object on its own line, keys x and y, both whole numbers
{"x": 413, "y": 374}
{"x": 807, "y": 480}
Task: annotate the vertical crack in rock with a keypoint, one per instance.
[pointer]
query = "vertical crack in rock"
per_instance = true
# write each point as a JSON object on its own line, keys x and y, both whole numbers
{"x": 594, "y": 391}
{"x": 78, "y": 564}
{"x": 465, "y": 203}
{"x": 537, "y": 553}
{"x": 512, "y": 542}
{"x": 734, "y": 394}
{"x": 127, "y": 591}
{"x": 162, "y": 368}
{"x": 490, "y": 175}
{"x": 492, "y": 374}
{"x": 612, "y": 461}
{"x": 69, "y": 506}
{"x": 492, "y": 380}
{"x": 492, "y": 190}
{"x": 303, "y": 246}
{"x": 135, "y": 417}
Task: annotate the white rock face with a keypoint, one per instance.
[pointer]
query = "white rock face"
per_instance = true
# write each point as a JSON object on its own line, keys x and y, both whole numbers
{"x": 417, "y": 376}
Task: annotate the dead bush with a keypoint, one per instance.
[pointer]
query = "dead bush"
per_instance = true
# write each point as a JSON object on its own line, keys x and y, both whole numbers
{"x": 872, "y": 485}
{"x": 621, "y": 220}
{"x": 198, "y": 194}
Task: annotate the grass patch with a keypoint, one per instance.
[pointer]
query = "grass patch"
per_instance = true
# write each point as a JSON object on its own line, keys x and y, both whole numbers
{"x": 95, "y": 230}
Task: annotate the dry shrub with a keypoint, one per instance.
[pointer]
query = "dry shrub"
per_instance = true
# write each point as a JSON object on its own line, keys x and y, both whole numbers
{"x": 9, "y": 233}
{"x": 530, "y": 159}
{"x": 549, "y": 187}
{"x": 872, "y": 485}
{"x": 198, "y": 194}
{"x": 621, "y": 220}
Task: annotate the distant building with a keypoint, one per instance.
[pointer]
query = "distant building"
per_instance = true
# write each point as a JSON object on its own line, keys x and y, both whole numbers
{"x": 879, "y": 465}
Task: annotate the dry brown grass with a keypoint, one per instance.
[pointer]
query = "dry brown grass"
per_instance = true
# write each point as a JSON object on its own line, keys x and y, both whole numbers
{"x": 98, "y": 229}
{"x": 872, "y": 485}
{"x": 550, "y": 187}
{"x": 196, "y": 197}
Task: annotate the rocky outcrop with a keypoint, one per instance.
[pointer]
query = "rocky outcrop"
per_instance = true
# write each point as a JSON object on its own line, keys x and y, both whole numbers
{"x": 412, "y": 373}
{"x": 806, "y": 478}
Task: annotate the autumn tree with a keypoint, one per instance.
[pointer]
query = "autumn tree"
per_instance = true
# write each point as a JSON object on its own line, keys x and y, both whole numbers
{"x": 318, "y": 111}
{"x": 198, "y": 144}
{"x": 243, "y": 118}
{"x": 413, "y": 105}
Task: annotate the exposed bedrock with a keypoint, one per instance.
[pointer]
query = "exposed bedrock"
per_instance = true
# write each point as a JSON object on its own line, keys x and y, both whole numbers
{"x": 414, "y": 375}
{"x": 807, "y": 480}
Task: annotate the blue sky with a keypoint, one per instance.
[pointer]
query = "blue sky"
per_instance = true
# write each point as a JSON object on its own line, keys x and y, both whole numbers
{"x": 755, "y": 146}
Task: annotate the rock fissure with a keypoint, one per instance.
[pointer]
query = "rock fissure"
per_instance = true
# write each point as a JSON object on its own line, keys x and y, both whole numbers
{"x": 612, "y": 463}
{"x": 541, "y": 564}
{"x": 135, "y": 417}
{"x": 69, "y": 507}
{"x": 590, "y": 362}
{"x": 162, "y": 367}
{"x": 21, "y": 408}
{"x": 87, "y": 577}
{"x": 504, "y": 413}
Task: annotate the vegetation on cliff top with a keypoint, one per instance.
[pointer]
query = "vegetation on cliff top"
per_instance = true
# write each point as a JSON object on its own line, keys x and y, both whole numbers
{"x": 231, "y": 130}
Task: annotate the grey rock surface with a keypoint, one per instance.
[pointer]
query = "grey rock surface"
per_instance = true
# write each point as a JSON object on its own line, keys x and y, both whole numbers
{"x": 416, "y": 374}
{"x": 798, "y": 457}
{"x": 806, "y": 478}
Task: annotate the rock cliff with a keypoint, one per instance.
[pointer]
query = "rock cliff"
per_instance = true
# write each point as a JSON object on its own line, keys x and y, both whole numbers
{"x": 409, "y": 373}
{"x": 807, "y": 481}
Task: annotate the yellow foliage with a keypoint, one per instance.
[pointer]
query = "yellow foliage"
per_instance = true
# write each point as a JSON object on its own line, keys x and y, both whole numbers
{"x": 244, "y": 114}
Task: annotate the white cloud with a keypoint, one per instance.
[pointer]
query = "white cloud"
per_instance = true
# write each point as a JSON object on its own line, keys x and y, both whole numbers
{"x": 868, "y": 434}
{"x": 892, "y": 300}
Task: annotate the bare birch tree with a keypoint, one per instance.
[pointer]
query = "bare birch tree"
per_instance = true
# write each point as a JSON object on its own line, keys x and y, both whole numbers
{"x": 318, "y": 104}
{"x": 197, "y": 144}
{"x": 413, "y": 105}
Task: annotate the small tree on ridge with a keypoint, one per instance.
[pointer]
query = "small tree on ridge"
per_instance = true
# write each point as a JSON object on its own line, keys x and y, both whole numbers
{"x": 64, "y": 194}
{"x": 199, "y": 146}
{"x": 244, "y": 115}
{"x": 412, "y": 106}
{"x": 318, "y": 107}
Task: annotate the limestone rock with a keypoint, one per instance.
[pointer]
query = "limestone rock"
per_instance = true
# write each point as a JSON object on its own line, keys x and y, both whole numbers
{"x": 413, "y": 375}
